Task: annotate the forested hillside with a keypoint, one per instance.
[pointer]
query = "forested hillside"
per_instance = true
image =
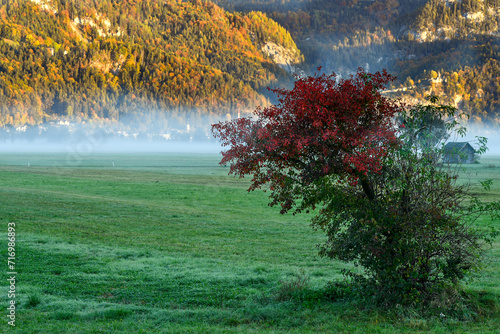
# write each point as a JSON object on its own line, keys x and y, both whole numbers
{"x": 136, "y": 60}
{"x": 146, "y": 61}
{"x": 444, "y": 47}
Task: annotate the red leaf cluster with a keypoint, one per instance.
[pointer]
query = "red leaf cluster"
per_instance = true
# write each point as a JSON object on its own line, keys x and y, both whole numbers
{"x": 324, "y": 126}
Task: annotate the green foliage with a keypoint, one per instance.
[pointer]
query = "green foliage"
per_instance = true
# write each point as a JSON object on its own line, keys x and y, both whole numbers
{"x": 426, "y": 126}
{"x": 415, "y": 239}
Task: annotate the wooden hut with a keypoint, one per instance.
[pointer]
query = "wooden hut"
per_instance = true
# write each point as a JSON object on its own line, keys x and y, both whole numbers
{"x": 458, "y": 152}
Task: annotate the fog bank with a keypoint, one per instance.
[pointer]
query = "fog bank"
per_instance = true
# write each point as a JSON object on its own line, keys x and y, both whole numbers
{"x": 84, "y": 140}
{"x": 87, "y": 146}
{"x": 492, "y": 134}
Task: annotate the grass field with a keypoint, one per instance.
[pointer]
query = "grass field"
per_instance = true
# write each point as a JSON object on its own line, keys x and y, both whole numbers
{"x": 168, "y": 243}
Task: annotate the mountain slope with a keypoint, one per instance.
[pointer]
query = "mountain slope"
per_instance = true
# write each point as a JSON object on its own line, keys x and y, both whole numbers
{"x": 444, "y": 47}
{"x": 137, "y": 59}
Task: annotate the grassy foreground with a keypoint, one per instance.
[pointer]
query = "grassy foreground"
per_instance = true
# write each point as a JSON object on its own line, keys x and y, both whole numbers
{"x": 168, "y": 243}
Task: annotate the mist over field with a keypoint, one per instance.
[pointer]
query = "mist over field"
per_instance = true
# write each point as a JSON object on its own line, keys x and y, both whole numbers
{"x": 493, "y": 136}
{"x": 166, "y": 135}
{"x": 86, "y": 147}
{"x": 80, "y": 140}
{"x": 100, "y": 141}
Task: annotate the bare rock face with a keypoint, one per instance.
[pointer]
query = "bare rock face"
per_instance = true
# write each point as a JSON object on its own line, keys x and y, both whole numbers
{"x": 285, "y": 58}
{"x": 46, "y": 5}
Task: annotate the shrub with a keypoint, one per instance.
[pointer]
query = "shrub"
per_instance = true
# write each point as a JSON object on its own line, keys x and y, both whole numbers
{"x": 289, "y": 289}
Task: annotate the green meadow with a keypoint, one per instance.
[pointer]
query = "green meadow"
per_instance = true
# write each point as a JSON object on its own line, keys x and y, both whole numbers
{"x": 169, "y": 243}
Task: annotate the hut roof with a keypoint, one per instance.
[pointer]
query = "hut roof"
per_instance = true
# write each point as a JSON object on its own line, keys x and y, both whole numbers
{"x": 454, "y": 147}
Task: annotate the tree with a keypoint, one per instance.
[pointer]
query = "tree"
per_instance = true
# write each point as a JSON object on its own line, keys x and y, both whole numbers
{"x": 415, "y": 240}
{"x": 335, "y": 146}
{"x": 323, "y": 127}
{"x": 428, "y": 127}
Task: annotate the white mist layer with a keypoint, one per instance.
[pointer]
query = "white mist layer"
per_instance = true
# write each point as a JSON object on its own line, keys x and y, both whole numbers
{"x": 493, "y": 136}
{"x": 99, "y": 141}
{"x": 89, "y": 146}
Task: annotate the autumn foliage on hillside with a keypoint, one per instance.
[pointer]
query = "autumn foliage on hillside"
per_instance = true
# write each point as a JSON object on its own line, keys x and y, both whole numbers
{"x": 410, "y": 38}
{"x": 109, "y": 59}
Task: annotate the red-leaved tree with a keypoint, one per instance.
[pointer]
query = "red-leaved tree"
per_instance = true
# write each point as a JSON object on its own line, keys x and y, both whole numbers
{"x": 323, "y": 126}
{"x": 383, "y": 196}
